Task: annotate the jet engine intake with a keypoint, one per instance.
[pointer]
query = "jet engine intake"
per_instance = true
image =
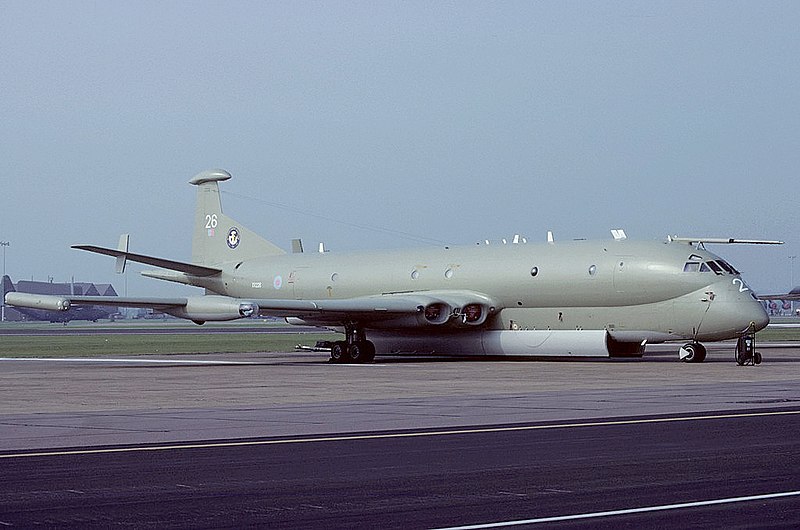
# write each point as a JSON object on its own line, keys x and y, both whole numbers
{"x": 437, "y": 313}
{"x": 473, "y": 314}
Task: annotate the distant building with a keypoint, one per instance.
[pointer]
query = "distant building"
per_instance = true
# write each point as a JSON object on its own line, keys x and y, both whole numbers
{"x": 74, "y": 313}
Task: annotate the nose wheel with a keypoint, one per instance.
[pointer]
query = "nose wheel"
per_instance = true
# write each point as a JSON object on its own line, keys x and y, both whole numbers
{"x": 692, "y": 352}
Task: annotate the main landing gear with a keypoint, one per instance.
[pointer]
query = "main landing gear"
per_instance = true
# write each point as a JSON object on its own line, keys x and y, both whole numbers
{"x": 356, "y": 349}
{"x": 692, "y": 352}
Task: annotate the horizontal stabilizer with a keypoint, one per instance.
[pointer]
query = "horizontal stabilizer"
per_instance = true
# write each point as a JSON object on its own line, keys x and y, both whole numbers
{"x": 188, "y": 268}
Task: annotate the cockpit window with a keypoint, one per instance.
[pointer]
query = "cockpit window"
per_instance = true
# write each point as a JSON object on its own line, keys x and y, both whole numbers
{"x": 716, "y": 268}
{"x": 719, "y": 266}
{"x": 727, "y": 266}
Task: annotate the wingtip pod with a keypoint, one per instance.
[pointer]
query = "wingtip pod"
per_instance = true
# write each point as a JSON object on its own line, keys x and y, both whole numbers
{"x": 210, "y": 175}
{"x": 37, "y": 301}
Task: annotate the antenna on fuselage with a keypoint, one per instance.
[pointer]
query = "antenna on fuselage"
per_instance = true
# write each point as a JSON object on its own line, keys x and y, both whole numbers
{"x": 550, "y": 237}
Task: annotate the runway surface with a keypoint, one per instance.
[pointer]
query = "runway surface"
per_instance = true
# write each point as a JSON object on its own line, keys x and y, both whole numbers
{"x": 696, "y": 472}
{"x": 194, "y": 442}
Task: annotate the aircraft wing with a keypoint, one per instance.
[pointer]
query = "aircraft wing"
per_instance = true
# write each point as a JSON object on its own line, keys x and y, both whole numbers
{"x": 722, "y": 241}
{"x": 51, "y": 302}
{"x": 196, "y": 308}
{"x": 793, "y": 295}
{"x": 406, "y": 310}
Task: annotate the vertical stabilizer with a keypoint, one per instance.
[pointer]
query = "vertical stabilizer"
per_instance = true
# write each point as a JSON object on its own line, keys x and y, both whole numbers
{"x": 8, "y": 286}
{"x": 216, "y": 237}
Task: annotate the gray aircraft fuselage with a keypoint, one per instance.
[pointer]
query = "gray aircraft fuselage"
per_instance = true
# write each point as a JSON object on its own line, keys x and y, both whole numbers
{"x": 628, "y": 288}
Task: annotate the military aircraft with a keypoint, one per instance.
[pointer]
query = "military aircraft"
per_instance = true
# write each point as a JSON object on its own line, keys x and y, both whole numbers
{"x": 791, "y": 296}
{"x": 565, "y": 299}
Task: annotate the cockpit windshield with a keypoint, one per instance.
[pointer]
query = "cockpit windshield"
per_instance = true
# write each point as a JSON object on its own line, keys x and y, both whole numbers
{"x": 727, "y": 266}
{"x": 719, "y": 266}
{"x": 716, "y": 268}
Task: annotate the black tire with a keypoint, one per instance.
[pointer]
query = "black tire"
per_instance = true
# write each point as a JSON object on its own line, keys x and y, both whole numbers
{"x": 356, "y": 351}
{"x": 339, "y": 353}
{"x": 697, "y": 352}
{"x": 369, "y": 351}
{"x": 701, "y": 353}
{"x": 757, "y": 358}
{"x": 362, "y": 352}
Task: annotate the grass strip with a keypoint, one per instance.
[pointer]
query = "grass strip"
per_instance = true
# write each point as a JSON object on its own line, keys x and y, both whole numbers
{"x": 111, "y": 345}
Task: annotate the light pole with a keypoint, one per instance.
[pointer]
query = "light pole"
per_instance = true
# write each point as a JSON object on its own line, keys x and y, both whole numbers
{"x": 3, "y": 244}
{"x": 791, "y": 275}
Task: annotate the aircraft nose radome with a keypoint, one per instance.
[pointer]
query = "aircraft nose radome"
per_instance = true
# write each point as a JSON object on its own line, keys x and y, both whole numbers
{"x": 759, "y": 316}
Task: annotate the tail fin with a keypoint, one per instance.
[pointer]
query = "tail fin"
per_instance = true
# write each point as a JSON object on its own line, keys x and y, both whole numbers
{"x": 217, "y": 238}
{"x": 8, "y": 287}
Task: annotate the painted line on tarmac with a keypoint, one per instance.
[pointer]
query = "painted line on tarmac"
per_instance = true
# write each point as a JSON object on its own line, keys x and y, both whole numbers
{"x": 387, "y": 436}
{"x": 629, "y": 511}
{"x": 120, "y": 361}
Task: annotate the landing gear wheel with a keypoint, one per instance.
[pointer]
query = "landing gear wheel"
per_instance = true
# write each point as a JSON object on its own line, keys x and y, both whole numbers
{"x": 368, "y": 351}
{"x": 339, "y": 352}
{"x": 694, "y": 352}
{"x": 356, "y": 351}
{"x": 362, "y": 352}
{"x": 757, "y": 358}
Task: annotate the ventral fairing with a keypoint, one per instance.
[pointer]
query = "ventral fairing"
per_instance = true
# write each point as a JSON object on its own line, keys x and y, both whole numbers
{"x": 565, "y": 299}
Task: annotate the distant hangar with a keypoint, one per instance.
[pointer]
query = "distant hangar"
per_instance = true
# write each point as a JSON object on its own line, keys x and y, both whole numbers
{"x": 15, "y": 314}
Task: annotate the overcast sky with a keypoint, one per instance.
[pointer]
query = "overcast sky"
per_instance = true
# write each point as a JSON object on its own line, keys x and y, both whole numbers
{"x": 372, "y": 125}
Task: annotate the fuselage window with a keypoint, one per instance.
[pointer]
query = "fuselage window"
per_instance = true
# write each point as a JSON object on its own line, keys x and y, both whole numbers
{"x": 716, "y": 268}
{"x": 534, "y": 271}
{"x": 704, "y": 268}
{"x": 691, "y": 266}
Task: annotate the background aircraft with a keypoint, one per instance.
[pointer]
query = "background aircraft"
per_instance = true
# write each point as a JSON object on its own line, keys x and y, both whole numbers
{"x": 576, "y": 298}
{"x": 785, "y": 298}
{"x": 793, "y": 295}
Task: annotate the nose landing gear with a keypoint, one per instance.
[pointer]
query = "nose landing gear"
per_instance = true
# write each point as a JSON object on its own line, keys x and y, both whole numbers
{"x": 746, "y": 351}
